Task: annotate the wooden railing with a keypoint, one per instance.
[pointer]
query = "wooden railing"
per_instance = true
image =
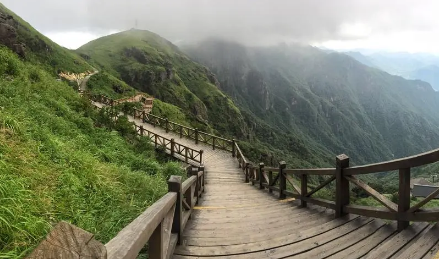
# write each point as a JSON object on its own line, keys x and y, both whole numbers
{"x": 183, "y": 131}
{"x": 175, "y": 149}
{"x": 160, "y": 226}
{"x": 294, "y": 183}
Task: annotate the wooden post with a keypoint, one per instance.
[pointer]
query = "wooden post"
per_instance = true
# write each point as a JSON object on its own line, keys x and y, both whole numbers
{"x": 167, "y": 125}
{"x": 213, "y": 143}
{"x": 201, "y": 169}
{"x": 181, "y": 131}
{"x": 253, "y": 173}
{"x": 342, "y": 185}
{"x": 246, "y": 172}
{"x": 174, "y": 185}
{"x": 141, "y": 130}
{"x": 143, "y": 116}
{"x": 197, "y": 185}
{"x": 303, "y": 189}
{"x": 201, "y": 156}
{"x": 172, "y": 146}
{"x": 155, "y": 243}
{"x": 261, "y": 176}
{"x": 68, "y": 241}
{"x": 155, "y": 141}
{"x": 404, "y": 196}
{"x": 185, "y": 155}
{"x": 196, "y": 136}
{"x": 233, "y": 148}
{"x": 282, "y": 180}
{"x": 270, "y": 181}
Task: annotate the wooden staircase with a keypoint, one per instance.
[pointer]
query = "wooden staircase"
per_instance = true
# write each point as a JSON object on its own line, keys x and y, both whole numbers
{"x": 231, "y": 208}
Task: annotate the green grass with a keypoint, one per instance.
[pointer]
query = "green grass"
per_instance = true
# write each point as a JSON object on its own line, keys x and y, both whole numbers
{"x": 56, "y": 165}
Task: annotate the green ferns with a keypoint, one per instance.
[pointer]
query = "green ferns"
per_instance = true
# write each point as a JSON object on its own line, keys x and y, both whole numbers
{"x": 56, "y": 165}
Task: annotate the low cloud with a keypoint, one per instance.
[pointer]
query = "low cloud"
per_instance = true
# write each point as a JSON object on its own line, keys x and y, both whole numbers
{"x": 247, "y": 21}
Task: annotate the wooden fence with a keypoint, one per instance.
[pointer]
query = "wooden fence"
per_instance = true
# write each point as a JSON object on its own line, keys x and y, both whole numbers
{"x": 294, "y": 182}
{"x": 175, "y": 149}
{"x": 183, "y": 131}
{"x": 277, "y": 178}
{"x": 160, "y": 226}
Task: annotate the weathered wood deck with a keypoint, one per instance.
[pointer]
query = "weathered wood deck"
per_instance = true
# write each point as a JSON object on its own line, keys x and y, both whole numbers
{"x": 237, "y": 220}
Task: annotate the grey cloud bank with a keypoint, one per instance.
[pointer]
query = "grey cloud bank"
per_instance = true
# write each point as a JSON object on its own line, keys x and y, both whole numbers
{"x": 252, "y": 22}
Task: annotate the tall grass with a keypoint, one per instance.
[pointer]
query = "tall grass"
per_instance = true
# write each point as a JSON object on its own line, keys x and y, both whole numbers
{"x": 56, "y": 165}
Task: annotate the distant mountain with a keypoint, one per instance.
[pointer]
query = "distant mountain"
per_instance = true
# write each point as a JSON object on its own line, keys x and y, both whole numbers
{"x": 428, "y": 74}
{"x": 331, "y": 100}
{"x": 420, "y": 66}
{"x": 361, "y": 58}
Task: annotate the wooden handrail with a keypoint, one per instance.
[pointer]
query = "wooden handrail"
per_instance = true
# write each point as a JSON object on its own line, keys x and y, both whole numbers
{"x": 406, "y": 162}
{"x": 161, "y": 226}
{"x": 315, "y": 171}
{"x": 130, "y": 240}
{"x": 343, "y": 175}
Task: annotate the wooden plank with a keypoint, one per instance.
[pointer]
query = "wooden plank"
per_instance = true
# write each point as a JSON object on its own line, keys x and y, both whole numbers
{"x": 396, "y": 243}
{"x": 68, "y": 241}
{"x": 319, "y": 223}
{"x": 321, "y": 202}
{"x": 314, "y": 171}
{"x": 373, "y": 193}
{"x": 344, "y": 242}
{"x": 294, "y": 248}
{"x": 172, "y": 245}
{"x": 291, "y": 181}
{"x": 188, "y": 183}
{"x": 326, "y": 182}
{"x": 422, "y": 245}
{"x": 369, "y": 211}
{"x": 433, "y": 253}
{"x": 406, "y": 162}
{"x": 167, "y": 228}
{"x": 366, "y": 245}
{"x": 131, "y": 239}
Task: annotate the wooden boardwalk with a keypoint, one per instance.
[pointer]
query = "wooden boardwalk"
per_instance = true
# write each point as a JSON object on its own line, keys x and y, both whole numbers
{"x": 237, "y": 220}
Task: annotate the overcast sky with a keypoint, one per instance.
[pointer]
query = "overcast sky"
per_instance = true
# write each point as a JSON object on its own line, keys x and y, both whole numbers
{"x": 395, "y": 25}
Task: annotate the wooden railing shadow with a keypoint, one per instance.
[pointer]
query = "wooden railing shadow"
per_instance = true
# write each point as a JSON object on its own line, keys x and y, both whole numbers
{"x": 160, "y": 226}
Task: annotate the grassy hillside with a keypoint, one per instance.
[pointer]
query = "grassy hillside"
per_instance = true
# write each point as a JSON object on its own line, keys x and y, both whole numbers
{"x": 328, "y": 102}
{"x": 153, "y": 65}
{"x": 55, "y": 165}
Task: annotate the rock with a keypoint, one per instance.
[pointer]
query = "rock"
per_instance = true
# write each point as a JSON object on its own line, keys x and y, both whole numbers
{"x": 162, "y": 75}
{"x": 20, "y": 49}
{"x": 137, "y": 54}
{"x": 211, "y": 77}
{"x": 8, "y": 35}
{"x": 169, "y": 73}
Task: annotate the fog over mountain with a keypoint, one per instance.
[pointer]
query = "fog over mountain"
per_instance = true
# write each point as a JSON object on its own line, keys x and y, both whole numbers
{"x": 405, "y": 25}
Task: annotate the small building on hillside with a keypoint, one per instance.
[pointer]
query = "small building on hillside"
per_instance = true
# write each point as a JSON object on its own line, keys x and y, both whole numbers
{"x": 421, "y": 187}
{"x": 147, "y": 102}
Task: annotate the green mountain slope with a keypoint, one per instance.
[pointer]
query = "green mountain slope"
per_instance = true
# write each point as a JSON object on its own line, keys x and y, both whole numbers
{"x": 35, "y": 47}
{"x": 153, "y": 65}
{"x": 55, "y": 163}
{"x": 331, "y": 100}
